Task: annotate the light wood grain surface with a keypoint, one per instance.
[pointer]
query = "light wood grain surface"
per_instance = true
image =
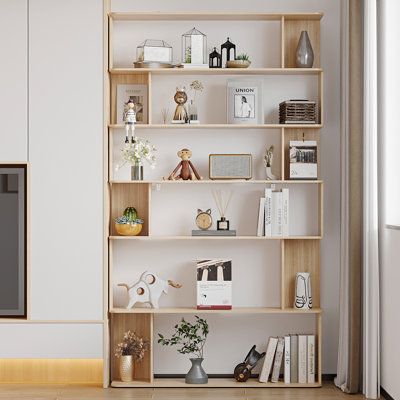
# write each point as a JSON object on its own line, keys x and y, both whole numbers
{"x": 29, "y": 392}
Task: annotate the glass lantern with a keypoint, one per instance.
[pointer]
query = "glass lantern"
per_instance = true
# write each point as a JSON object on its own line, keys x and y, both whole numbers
{"x": 154, "y": 51}
{"x": 194, "y": 48}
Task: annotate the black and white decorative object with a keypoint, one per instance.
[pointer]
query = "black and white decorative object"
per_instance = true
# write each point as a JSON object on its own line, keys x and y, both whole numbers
{"x": 243, "y": 370}
{"x": 303, "y": 297}
{"x": 245, "y": 102}
{"x": 303, "y": 159}
{"x": 297, "y": 111}
{"x": 214, "y": 284}
{"x": 222, "y": 201}
{"x": 215, "y": 59}
{"x": 138, "y": 95}
{"x": 228, "y": 46}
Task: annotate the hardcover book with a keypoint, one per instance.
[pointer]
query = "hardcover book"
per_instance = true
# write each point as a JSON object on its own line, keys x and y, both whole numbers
{"x": 311, "y": 358}
{"x": 268, "y": 360}
{"x": 245, "y": 103}
{"x": 214, "y": 284}
{"x": 286, "y": 372}
{"x": 278, "y": 360}
{"x": 302, "y": 354}
{"x": 294, "y": 373}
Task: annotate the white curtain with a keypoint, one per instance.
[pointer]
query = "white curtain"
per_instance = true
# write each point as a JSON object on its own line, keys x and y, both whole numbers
{"x": 371, "y": 370}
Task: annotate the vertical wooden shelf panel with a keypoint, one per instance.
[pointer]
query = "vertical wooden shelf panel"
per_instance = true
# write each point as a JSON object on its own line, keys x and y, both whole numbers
{"x": 300, "y": 256}
{"x": 142, "y": 324}
{"x": 300, "y": 134}
{"x": 292, "y": 30}
{"x": 130, "y": 195}
{"x": 124, "y": 80}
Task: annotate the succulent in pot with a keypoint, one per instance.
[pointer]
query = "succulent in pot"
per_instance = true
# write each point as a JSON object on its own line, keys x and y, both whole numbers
{"x": 129, "y": 224}
{"x": 241, "y": 61}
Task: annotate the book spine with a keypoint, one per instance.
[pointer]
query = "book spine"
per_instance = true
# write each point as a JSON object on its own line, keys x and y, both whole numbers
{"x": 268, "y": 210}
{"x": 302, "y": 354}
{"x": 278, "y": 360}
{"x": 285, "y": 212}
{"x": 269, "y": 358}
{"x": 260, "y": 226}
{"x": 311, "y": 358}
{"x": 276, "y": 214}
{"x": 286, "y": 371}
{"x": 294, "y": 359}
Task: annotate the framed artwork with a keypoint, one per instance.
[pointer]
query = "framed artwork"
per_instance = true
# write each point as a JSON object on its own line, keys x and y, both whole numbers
{"x": 138, "y": 94}
{"x": 245, "y": 105}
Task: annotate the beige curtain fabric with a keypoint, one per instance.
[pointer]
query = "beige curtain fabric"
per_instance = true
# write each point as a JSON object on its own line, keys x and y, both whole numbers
{"x": 350, "y": 334}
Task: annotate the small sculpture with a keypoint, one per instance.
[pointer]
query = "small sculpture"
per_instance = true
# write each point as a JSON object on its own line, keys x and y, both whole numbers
{"x": 268, "y": 158}
{"x": 243, "y": 370}
{"x": 148, "y": 289}
{"x": 215, "y": 59}
{"x": 303, "y": 297}
{"x": 188, "y": 171}
{"x": 181, "y": 115}
{"x": 129, "y": 119}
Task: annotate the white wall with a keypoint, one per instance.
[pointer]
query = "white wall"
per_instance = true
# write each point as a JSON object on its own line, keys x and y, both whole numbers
{"x": 65, "y": 137}
{"x": 256, "y": 265}
{"x": 13, "y": 80}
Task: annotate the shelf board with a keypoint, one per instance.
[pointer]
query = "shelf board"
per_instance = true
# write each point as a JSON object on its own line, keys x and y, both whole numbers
{"x": 215, "y": 237}
{"x": 235, "y": 310}
{"x": 216, "y": 71}
{"x": 219, "y": 181}
{"x": 226, "y": 127}
{"x": 212, "y": 382}
{"x": 212, "y": 16}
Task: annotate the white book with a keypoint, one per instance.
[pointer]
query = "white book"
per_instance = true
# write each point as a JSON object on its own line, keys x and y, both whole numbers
{"x": 286, "y": 371}
{"x": 278, "y": 360}
{"x": 260, "y": 226}
{"x": 276, "y": 214}
{"x": 268, "y": 205}
{"x": 285, "y": 212}
{"x": 311, "y": 358}
{"x": 268, "y": 360}
{"x": 302, "y": 354}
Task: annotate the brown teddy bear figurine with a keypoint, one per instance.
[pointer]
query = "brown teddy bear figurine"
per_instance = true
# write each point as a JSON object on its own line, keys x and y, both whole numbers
{"x": 188, "y": 171}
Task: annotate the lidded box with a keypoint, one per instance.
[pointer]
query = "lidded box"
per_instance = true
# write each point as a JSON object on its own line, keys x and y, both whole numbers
{"x": 152, "y": 50}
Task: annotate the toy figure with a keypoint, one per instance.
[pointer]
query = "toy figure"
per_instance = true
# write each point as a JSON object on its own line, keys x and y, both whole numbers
{"x": 129, "y": 119}
{"x": 188, "y": 171}
{"x": 181, "y": 115}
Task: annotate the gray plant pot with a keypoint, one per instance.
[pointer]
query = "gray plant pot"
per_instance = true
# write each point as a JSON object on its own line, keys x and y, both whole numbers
{"x": 196, "y": 374}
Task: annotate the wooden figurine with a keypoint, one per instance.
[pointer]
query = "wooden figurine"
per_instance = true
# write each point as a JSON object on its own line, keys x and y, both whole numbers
{"x": 148, "y": 289}
{"x": 187, "y": 169}
{"x": 181, "y": 115}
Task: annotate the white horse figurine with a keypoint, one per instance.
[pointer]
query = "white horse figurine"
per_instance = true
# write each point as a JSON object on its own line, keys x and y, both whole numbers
{"x": 148, "y": 289}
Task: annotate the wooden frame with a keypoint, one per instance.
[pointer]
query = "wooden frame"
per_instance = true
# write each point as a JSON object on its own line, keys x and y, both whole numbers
{"x": 298, "y": 253}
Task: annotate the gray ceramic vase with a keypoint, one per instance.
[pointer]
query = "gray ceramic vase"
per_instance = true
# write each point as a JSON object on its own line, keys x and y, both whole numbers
{"x": 196, "y": 374}
{"x": 304, "y": 52}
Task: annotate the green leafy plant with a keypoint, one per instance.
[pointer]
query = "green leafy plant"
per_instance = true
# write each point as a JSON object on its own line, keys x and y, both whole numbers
{"x": 190, "y": 338}
{"x": 243, "y": 57}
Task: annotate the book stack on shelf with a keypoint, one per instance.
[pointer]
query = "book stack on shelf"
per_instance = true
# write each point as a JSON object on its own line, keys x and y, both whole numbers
{"x": 273, "y": 214}
{"x": 297, "y": 355}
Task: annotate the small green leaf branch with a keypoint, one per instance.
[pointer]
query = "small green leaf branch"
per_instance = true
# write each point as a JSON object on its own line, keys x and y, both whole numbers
{"x": 189, "y": 338}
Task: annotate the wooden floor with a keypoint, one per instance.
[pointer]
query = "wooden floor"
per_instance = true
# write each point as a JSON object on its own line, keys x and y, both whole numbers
{"x": 327, "y": 392}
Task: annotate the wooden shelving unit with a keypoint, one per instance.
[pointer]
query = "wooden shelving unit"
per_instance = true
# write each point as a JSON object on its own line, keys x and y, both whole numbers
{"x": 298, "y": 253}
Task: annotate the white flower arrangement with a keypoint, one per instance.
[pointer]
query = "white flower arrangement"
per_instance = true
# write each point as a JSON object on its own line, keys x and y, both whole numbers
{"x": 135, "y": 153}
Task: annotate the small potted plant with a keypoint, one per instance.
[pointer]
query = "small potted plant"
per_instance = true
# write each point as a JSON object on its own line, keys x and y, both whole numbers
{"x": 132, "y": 348}
{"x": 135, "y": 154}
{"x": 197, "y": 87}
{"x": 129, "y": 224}
{"x": 241, "y": 61}
{"x": 190, "y": 339}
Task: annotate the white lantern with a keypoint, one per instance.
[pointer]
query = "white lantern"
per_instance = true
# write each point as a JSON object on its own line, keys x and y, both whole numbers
{"x": 194, "y": 48}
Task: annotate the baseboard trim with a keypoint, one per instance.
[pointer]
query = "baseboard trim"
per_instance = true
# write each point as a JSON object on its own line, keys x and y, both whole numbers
{"x": 385, "y": 394}
{"x": 52, "y": 371}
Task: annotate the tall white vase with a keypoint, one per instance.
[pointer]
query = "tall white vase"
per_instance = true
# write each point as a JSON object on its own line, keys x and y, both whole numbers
{"x": 303, "y": 297}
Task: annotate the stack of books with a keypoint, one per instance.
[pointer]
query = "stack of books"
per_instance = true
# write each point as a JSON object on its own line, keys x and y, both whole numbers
{"x": 273, "y": 215}
{"x": 297, "y": 355}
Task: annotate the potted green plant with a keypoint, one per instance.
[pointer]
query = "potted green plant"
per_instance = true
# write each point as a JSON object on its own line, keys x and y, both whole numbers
{"x": 129, "y": 224}
{"x": 132, "y": 348}
{"x": 190, "y": 339}
{"x": 241, "y": 61}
